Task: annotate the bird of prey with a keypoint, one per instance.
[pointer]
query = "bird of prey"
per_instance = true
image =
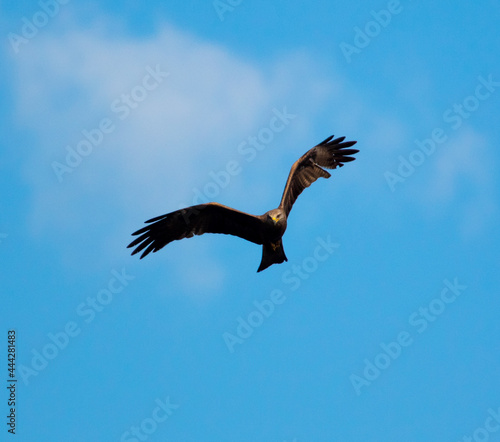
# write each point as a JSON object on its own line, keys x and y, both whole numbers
{"x": 266, "y": 229}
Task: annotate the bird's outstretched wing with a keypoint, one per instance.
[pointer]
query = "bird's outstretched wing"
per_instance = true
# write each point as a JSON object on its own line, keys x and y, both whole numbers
{"x": 196, "y": 220}
{"x": 331, "y": 153}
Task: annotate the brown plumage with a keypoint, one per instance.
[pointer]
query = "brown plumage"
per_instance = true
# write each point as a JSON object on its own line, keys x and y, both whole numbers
{"x": 266, "y": 229}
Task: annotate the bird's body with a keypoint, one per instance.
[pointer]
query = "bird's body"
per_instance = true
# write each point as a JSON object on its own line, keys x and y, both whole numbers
{"x": 267, "y": 229}
{"x": 272, "y": 246}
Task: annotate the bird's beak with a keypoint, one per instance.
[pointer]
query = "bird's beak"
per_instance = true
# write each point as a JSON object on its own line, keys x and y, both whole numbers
{"x": 274, "y": 219}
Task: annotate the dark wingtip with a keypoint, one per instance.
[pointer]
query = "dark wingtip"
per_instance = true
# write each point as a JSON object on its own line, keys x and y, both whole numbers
{"x": 347, "y": 159}
{"x": 326, "y": 141}
{"x": 346, "y": 144}
{"x": 143, "y": 230}
{"x": 340, "y": 150}
{"x": 156, "y": 218}
{"x": 338, "y": 142}
{"x": 349, "y": 152}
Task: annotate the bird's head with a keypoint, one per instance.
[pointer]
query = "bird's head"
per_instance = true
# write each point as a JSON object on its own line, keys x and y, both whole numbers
{"x": 275, "y": 216}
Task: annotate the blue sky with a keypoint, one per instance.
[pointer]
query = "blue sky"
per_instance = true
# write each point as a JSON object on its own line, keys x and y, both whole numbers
{"x": 382, "y": 326}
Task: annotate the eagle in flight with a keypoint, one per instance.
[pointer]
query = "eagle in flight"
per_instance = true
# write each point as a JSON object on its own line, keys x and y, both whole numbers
{"x": 266, "y": 229}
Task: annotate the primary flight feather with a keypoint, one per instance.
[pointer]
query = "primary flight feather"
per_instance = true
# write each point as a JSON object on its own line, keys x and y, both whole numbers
{"x": 266, "y": 229}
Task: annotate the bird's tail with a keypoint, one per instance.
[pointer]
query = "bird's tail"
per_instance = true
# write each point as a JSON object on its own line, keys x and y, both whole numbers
{"x": 272, "y": 253}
